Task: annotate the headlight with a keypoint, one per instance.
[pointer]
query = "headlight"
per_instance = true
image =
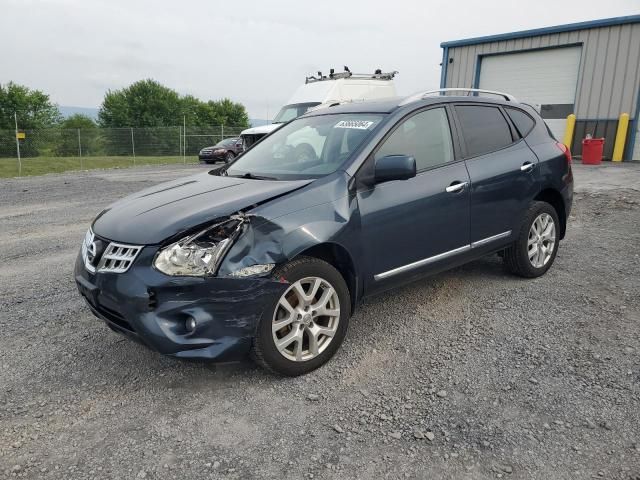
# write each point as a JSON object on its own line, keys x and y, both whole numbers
{"x": 200, "y": 254}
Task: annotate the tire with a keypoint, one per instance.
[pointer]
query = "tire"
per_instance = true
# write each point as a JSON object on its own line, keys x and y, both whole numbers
{"x": 281, "y": 361}
{"x": 517, "y": 256}
{"x": 228, "y": 158}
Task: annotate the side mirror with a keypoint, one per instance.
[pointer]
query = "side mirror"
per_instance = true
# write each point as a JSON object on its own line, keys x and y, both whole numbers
{"x": 394, "y": 167}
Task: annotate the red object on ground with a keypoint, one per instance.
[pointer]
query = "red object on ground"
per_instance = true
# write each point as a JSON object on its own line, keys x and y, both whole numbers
{"x": 592, "y": 151}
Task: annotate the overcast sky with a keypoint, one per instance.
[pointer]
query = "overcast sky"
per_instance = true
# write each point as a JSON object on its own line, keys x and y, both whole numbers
{"x": 256, "y": 52}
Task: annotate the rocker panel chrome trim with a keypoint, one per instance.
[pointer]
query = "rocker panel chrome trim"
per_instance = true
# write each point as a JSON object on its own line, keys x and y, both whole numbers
{"x": 484, "y": 241}
{"x": 420, "y": 263}
{"x": 440, "y": 256}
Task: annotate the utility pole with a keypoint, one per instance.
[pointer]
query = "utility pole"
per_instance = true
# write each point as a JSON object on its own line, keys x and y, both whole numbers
{"x": 184, "y": 145}
{"x": 15, "y": 117}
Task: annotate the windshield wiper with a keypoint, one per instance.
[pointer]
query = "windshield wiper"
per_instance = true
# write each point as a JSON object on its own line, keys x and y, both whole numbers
{"x": 252, "y": 176}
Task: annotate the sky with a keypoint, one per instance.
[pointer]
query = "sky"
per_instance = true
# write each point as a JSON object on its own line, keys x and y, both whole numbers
{"x": 253, "y": 51}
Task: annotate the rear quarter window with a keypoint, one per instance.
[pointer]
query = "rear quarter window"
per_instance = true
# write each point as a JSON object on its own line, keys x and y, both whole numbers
{"x": 523, "y": 122}
{"x": 484, "y": 129}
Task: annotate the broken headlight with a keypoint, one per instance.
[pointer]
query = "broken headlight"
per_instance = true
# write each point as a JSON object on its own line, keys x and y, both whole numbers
{"x": 200, "y": 254}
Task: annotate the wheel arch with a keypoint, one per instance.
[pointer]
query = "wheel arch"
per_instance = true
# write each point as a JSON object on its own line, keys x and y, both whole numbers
{"x": 340, "y": 258}
{"x": 554, "y": 198}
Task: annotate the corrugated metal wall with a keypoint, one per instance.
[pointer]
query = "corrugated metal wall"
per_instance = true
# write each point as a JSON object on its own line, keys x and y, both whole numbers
{"x": 609, "y": 75}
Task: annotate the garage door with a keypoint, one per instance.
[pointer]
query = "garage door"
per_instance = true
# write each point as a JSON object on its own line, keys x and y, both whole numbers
{"x": 544, "y": 78}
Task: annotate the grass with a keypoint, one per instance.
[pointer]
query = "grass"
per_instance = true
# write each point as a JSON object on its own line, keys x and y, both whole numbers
{"x": 42, "y": 165}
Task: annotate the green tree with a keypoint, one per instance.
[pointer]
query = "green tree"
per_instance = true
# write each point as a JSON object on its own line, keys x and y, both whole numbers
{"x": 230, "y": 113}
{"x": 78, "y": 133}
{"x": 34, "y": 108}
{"x": 220, "y": 112}
{"x": 78, "y": 120}
{"x": 145, "y": 103}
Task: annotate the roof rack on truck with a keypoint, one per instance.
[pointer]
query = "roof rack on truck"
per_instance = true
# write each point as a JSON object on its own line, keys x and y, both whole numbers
{"x": 377, "y": 75}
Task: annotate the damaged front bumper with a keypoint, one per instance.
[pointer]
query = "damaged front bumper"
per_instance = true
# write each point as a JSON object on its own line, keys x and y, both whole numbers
{"x": 158, "y": 310}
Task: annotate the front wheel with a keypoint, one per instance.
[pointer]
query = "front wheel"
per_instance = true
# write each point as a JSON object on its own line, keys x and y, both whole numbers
{"x": 305, "y": 326}
{"x": 535, "y": 249}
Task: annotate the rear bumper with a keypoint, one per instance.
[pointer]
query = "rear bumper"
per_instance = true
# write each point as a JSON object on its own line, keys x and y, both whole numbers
{"x": 567, "y": 197}
{"x": 151, "y": 308}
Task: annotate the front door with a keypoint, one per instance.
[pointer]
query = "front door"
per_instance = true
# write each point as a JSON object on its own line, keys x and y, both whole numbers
{"x": 410, "y": 226}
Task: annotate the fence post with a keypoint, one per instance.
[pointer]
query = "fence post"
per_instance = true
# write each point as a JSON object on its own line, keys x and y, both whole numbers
{"x": 184, "y": 144}
{"x": 133, "y": 147}
{"x": 80, "y": 149}
{"x": 15, "y": 117}
{"x": 180, "y": 141}
{"x": 222, "y": 132}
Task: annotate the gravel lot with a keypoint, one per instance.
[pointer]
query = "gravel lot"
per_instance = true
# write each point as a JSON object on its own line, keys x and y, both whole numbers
{"x": 469, "y": 374}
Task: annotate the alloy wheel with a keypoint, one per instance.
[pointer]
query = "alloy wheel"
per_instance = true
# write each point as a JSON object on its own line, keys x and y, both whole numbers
{"x": 542, "y": 240}
{"x": 306, "y": 319}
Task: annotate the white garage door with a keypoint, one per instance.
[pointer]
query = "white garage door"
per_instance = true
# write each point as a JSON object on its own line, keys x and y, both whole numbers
{"x": 545, "y": 78}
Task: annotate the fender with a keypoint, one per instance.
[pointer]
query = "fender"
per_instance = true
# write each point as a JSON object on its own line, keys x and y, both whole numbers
{"x": 280, "y": 239}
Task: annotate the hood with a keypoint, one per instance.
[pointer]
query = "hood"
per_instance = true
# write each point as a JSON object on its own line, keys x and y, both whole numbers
{"x": 264, "y": 129}
{"x": 157, "y": 213}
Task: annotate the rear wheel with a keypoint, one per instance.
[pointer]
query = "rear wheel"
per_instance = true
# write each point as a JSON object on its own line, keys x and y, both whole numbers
{"x": 535, "y": 249}
{"x": 229, "y": 157}
{"x": 305, "y": 326}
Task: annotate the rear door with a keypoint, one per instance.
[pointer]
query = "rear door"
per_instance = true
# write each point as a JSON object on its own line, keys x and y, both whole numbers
{"x": 502, "y": 170}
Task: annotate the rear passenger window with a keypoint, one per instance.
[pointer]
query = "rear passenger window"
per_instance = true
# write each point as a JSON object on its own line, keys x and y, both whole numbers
{"x": 484, "y": 128}
{"x": 425, "y": 136}
{"x": 523, "y": 122}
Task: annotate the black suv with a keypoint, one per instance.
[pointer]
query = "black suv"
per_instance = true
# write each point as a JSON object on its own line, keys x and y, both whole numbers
{"x": 270, "y": 255}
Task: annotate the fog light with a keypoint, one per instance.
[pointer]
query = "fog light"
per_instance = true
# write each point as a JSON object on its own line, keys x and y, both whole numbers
{"x": 190, "y": 324}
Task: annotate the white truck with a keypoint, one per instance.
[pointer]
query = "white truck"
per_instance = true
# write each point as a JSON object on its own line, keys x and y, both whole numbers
{"x": 326, "y": 90}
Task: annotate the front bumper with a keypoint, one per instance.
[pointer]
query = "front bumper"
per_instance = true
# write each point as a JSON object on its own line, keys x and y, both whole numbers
{"x": 212, "y": 157}
{"x": 151, "y": 308}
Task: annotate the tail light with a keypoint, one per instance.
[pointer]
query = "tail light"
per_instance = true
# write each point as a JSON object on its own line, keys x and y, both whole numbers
{"x": 565, "y": 150}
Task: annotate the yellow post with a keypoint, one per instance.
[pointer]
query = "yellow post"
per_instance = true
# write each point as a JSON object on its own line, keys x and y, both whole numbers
{"x": 568, "y": 133}
{"x": 621, "y": 137}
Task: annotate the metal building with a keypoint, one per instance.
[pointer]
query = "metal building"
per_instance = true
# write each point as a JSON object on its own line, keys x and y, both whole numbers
{"x": 591, "y": 69}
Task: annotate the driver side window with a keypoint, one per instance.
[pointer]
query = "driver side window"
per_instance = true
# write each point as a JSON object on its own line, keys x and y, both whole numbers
{"x": 425, "y": 136}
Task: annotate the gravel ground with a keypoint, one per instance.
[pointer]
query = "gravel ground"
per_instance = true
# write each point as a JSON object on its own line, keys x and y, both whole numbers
{"x": 469, "y": 374}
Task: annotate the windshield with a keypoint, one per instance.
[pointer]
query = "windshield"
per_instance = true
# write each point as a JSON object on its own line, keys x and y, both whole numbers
{"x": 309, "y": 147}
{"x": 289, "y": 112}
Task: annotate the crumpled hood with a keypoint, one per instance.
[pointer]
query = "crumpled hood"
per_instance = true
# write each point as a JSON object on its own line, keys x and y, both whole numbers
{"x": 157, "y": 213}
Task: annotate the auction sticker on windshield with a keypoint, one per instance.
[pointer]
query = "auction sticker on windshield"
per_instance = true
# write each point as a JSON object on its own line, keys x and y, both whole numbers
{"x": 358, "y": 124}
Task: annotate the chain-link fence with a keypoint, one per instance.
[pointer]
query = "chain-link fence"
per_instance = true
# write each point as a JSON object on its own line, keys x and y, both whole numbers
{"x": 52, "y": 149}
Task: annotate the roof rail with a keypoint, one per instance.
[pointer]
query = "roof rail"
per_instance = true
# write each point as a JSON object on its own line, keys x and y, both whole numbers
{"x": 422, "y": 95}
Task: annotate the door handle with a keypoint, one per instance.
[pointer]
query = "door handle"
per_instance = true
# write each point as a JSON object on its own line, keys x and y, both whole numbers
{"x": 456, "y": 186}
{"x": 527, "y": 167}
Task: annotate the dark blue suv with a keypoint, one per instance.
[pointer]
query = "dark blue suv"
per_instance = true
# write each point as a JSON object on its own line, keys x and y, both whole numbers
{"x": 270, "y": 255}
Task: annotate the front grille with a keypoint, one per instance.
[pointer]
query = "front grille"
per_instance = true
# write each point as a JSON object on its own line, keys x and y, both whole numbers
{"x": 118, "y": 257}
